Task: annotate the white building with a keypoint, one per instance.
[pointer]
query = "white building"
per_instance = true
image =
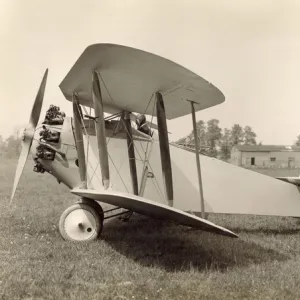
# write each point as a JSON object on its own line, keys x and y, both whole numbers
{"x": 266, "y": 156}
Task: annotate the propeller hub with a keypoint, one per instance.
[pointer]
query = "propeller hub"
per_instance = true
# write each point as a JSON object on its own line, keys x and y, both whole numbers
{"x": 28, "y": 134}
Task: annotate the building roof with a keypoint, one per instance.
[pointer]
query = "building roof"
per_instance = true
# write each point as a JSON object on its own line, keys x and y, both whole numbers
{"x": 267, "y": 148}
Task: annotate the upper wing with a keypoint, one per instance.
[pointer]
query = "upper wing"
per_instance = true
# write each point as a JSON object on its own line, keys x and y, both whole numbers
{"x": 130, "y": 77}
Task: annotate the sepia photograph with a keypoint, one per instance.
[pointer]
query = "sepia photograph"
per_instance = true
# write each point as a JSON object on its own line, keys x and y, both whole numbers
{"x": 149, "y": 149}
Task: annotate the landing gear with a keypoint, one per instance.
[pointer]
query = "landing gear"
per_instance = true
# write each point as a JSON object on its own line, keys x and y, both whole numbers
{"x": 81, "y": 222}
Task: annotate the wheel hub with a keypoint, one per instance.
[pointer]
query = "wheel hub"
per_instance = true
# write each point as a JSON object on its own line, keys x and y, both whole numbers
{"x": 80, "y": 225}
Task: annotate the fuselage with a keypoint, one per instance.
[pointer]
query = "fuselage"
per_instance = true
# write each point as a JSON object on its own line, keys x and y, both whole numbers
{"x": 61, "y": 159}
{"x": 227, "y": 188}
{"x": 63, "y": 163}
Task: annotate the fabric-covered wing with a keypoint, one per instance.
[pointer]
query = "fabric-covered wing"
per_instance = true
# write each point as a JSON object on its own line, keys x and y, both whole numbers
{"x": 129, "y": 78}
{"x": 152, "y": 209}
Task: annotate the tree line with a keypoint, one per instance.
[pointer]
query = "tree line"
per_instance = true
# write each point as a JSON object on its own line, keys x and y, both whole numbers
{"x": 297, "y": 143}
{"x": 10, "y": 147}
{"x": 214, "y": 141}
{"x": 217, "y": 142}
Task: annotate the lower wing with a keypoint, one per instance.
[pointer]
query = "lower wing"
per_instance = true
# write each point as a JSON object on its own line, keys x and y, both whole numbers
{"x": 153, "y": 209}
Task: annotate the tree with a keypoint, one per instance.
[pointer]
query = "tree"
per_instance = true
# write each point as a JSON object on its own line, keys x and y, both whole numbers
{"x": 201, "y": 133}
{"x": 297, "y": 143}
{"x": 2, "y": 146}
{"x": 249, "y": 136}
{"x": 213, "y": 137}
{"x": 13, "y": 146}
{"x": 237, "y": 135}
{"x": 189, "y": 140}
{"x": 226, "y": 145}
{"x": 181, "y": 140}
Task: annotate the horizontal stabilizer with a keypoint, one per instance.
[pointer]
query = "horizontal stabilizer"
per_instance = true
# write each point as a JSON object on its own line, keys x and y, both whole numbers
{"x": 293, "y": 180}
{"x": 152, "y": 209}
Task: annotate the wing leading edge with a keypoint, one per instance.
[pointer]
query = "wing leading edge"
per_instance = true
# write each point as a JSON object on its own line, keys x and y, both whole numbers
{"x": 152, "y": 209}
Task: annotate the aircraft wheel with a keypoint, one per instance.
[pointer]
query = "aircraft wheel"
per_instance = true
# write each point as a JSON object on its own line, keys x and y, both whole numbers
{"x": 94, "y": 204}
{"x": 81, "y": 222}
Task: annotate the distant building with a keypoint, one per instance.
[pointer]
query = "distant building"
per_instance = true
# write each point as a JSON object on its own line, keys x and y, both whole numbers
{"x": 266, "y": 156}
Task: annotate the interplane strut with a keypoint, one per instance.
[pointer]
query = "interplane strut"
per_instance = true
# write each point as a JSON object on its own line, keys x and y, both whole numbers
{"x": 79, "y": 142}
{"x": 197, "y": 150}
{"x": 100, "y": 130}
{"x": 164, "y": 147}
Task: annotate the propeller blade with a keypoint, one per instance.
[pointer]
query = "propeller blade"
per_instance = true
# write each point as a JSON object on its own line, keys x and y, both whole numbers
{"x": 29, "y": 132}
{"x": 37, "y": 106}
{"x": 20, "y": 166}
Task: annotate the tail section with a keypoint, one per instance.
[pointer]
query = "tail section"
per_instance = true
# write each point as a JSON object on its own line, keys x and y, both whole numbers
{"x": 230, "y": 189}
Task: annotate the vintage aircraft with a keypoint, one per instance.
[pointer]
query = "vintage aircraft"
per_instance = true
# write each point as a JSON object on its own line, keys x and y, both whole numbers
{"x": 109, "y": 154}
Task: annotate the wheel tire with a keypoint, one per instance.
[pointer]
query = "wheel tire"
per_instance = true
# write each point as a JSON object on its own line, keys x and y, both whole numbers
{"x": 95, "y": 205}
{"x": 81, "y": 222}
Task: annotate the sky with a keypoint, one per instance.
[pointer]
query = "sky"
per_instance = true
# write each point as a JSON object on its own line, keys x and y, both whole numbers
{"x": 248, "y": 49}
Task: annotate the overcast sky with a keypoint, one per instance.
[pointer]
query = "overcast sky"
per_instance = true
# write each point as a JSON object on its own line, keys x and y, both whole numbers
{"x": 250, "y": 50}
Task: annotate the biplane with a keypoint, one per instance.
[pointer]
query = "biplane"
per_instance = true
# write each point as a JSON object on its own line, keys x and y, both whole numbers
{"x": 110, "y": 151}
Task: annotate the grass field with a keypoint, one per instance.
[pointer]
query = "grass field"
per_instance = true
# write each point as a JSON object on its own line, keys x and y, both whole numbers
{"x": 142, "y": 259}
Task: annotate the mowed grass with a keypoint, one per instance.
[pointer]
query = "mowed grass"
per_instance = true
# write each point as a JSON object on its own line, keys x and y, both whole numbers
{"x": 141, "y": 259}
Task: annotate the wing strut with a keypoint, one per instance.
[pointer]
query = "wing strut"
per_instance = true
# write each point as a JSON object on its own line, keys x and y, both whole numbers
{"x": 164, "y": 147}
{"x": 77, "y": 113}
{"x": 131, "y": 153}
{"x": 198, "y": 159}
{"x": 100, "y": 130}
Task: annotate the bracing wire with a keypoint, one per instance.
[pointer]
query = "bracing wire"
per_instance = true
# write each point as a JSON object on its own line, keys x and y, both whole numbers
{"x": 145, "y": 152}
{"x": 88, "y": 143}
{"x": 112, "y": 161}
{"x": 105, "y": 87}
{"x": 118, "y": 173}
{"x": 154, "y": 181}
{"x": 157, "y": 187}
{"x": 87, "y": 161}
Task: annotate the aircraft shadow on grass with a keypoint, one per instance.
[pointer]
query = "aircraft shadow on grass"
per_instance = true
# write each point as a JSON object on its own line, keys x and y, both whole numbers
{"x": 156, "y": 243}
{"x": 274, "y": 225}
{"x": 277, "y": 231}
